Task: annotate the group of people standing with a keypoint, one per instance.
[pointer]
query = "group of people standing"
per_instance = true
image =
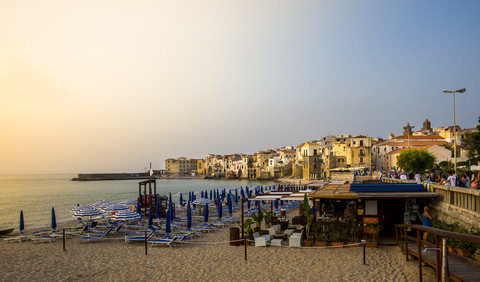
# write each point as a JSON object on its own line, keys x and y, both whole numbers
{"x": 467, "y": 179}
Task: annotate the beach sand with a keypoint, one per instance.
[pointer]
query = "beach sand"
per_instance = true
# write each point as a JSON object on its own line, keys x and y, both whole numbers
{"x": 113, "y": 260}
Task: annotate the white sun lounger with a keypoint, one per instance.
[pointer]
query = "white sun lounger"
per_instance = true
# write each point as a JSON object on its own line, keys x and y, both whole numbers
{"x": 161, "y": 241}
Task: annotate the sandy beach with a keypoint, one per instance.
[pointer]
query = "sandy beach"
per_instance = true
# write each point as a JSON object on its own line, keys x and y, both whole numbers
{"x": 197, "y": 260}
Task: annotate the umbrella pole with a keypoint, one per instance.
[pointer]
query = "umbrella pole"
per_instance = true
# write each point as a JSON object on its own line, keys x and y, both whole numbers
{"x": 146, "y": 246}
{"x": 243, "y": 230}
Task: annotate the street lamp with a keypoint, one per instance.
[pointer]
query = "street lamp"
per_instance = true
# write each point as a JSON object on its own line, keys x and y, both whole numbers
{"x": 461, "y": 90}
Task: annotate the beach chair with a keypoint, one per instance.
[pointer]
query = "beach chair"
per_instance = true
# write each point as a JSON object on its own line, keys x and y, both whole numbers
{"x": 43, "y": 239}
{"x": 161, "y": 241}
{"x": 137, "y": 238}
{"x": 95, "y": 237}
{"x": 19, "y": 238}
{"x": 295, "y": 239}
{"x": 261, "y": 240}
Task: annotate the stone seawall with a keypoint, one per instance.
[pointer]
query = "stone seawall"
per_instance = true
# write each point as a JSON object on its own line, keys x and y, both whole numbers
{"x": 111, "y": 176}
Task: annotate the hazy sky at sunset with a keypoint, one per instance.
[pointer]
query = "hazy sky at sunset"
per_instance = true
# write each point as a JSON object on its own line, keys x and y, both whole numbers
{"x": 109, "y": 86}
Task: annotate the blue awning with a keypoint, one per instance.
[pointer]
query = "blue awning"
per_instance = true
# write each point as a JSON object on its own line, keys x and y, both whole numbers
{"x": 387, "y": 187}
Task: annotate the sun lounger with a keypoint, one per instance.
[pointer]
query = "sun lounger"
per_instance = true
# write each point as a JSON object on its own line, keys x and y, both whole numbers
{"x": 96, "y": 237}
{"x": 43, "y": 239}
{"x": 20, "y": 238}
{"x": 161, "y": 241}
{"x": 136, "y": 238}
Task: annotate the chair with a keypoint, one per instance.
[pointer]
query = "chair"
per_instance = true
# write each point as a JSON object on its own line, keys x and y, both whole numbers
{"x": 296, "y": 239}
{"x": 137, "y": 238}
{"x": 161, "y": 241}
{"x": 19, "y": 238}
{"x": 43, "y": 239}
{"x": 95, "y": 238}
{"x": 261, "y": 240}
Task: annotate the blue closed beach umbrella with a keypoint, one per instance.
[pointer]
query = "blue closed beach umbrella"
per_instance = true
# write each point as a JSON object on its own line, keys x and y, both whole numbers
{"x": 189, "y": 217}
{"x": 242, "y": 192}
{"x": 150, "y": 216}
{"x": 168, "y": 228}
{"x": 181, "y": 200}
{"x": 276, "y": 204}
{"x": 203, "y": 196}
{"x": 157, "y": 211}
{"x": 236, "y": 196}
{"x": 22, "y": 223}
{"x": 54, "y": 220}
{"x": 220, "y": 211}
{"x": 248, "y": 204}
{"x": 138, "y": 207}
{"x": 206, "y": 214}
{"x": 230, "y": 209}
{"x": 211, "y": 194}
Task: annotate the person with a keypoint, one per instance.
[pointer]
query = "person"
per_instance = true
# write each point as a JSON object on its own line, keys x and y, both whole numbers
{"x": 427, "y": 221}
{"x": 452, "y": 179}
{"x": 418, "y": 177}
{"x": 466, "y": 178}
{"x": 440, "y": 178}
{"x": 474, "y": 183}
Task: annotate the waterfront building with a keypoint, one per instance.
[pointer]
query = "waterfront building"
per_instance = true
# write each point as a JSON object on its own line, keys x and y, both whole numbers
{"x": 181, "y": 166}
{"x": 380, "y": 157}
{"x": 440, "y": 153}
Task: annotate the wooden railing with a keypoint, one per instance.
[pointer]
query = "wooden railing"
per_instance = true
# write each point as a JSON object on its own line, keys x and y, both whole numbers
{"x": 402, "y": 240}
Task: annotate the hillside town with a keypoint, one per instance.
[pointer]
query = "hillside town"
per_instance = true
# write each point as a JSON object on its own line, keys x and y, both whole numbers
{"x": 319, "y": 159}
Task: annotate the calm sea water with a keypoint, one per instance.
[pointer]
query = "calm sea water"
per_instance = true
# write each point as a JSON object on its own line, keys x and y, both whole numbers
{"x": 37, "y": 194}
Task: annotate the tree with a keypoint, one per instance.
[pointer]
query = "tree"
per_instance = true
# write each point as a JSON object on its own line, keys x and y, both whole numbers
{"x": 471, "y": 143}
{"x": 415, "y": 160}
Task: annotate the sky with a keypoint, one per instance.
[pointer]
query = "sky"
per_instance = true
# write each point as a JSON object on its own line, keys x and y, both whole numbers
{"x": 110, "y": 86}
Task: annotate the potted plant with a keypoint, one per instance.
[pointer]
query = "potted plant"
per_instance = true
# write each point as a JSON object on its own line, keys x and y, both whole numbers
{"x": 355, "y": 229}
{"x": 336, "y": 237}
{"x": 269, "y": 218}
{"x": 477, "y": 254}
{"x": 309, "y": 218}
{"x": 372, "y": 234}
{"x": 321, "y": 237}
{"x": 248, "y": 230}
{"x": 258, "y": 218}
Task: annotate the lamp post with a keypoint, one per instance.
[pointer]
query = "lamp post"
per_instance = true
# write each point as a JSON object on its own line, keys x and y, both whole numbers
{"x": 461, "y": 90}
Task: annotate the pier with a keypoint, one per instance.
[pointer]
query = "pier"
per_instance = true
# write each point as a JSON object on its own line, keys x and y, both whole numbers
{"x": 111, "y": 176}
{"x": 458, "y": 268}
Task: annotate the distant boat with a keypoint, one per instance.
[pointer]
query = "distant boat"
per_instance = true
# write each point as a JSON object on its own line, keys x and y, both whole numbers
{"x": 6, "y": 231}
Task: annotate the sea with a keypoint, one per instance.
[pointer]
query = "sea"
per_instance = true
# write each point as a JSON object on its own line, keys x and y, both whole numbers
{"x": 35, "y": 195}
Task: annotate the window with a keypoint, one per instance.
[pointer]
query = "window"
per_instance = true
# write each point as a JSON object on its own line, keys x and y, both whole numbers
{"x": 314, "y": 152}
{"x": 361, "y": 142}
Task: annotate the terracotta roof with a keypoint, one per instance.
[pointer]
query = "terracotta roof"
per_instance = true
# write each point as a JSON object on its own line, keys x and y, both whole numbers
{"x": 419, "y": 137}
{"x": 405, "y": 149}
{"x": 417, "y": 143}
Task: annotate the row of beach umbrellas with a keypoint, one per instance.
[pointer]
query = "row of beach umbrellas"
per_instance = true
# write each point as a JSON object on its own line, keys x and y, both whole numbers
{"x": 123, "y": 213}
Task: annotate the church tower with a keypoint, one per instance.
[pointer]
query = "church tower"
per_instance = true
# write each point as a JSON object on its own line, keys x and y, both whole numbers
{"x": 407, "y": 130}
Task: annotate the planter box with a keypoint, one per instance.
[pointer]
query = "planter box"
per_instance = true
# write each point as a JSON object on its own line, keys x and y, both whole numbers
{"x": 352, "y": 246}
{"x": 320, "y": 244}
{"x": 465, "y": 253}
{"x": 371, "y": 244}
{"x": 477, "y": 256}
{"x": 336, "y": 244}
{"x": 307, "y": 243}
